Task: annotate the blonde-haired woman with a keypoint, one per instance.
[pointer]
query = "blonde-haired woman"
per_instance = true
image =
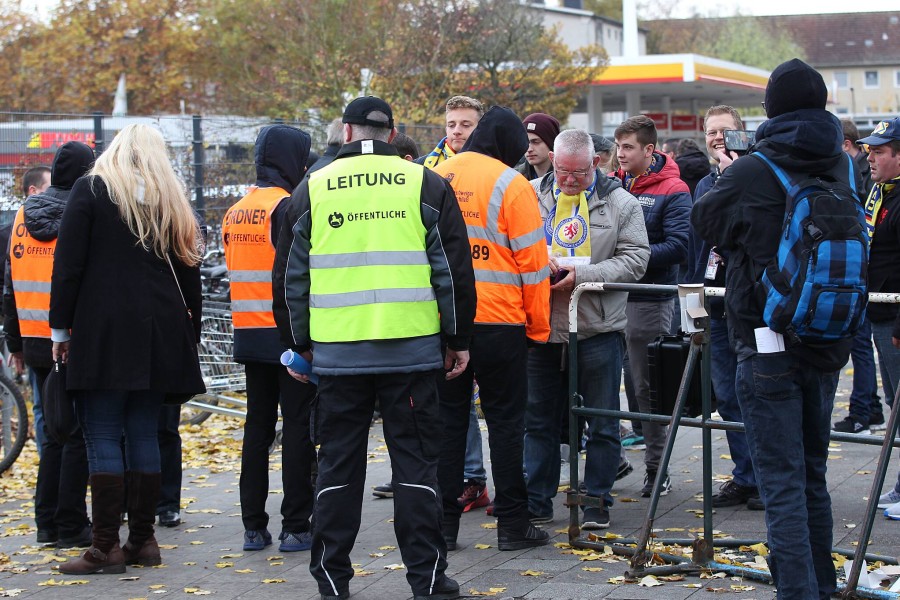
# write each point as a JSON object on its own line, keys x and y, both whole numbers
{"x": 125, "y": 317}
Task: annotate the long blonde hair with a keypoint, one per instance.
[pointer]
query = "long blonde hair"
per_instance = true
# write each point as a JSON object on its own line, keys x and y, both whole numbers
{"x": 151, "y": 199}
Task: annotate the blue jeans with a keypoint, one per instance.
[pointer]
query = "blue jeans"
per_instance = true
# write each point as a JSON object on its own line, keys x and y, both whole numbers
{"x": 38, "y": 411}
{"x": 787, "y": 410}
{"x": 889, "y": 362}
{"x": 864, "y": 401}
{"x": 474, "y": 467}
{"x": 105, "y": 415}
{"x": 724, "y": 370}
{"x": 599, "y": 374}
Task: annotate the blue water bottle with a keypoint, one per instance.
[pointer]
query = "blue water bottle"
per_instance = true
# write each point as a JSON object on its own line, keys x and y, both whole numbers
{"x": 298, "y": 364}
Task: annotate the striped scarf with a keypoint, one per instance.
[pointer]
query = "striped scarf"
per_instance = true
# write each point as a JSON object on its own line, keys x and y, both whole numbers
{"x": 873, "y": 204}
{"x": 441, "y": 152}
{"x": 629, "y": 180}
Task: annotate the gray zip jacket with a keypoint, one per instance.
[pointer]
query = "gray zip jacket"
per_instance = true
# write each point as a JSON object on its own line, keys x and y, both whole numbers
{"x": 619, "y": 253}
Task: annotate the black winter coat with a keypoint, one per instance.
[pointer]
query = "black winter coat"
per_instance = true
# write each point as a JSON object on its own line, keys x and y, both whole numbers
{"x": 744, "y": 212}
{"x": 121, "y": 303}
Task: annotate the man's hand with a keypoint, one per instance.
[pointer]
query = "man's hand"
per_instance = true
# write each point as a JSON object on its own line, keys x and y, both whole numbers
{"x": 17, "y": 362}
{"x": 455, "y": 363}
{"x": 896, "y": 342}
{"x": 725, "y": 158}
{"x": 61, "y": 351}
{"x": 300, "y": 376}
{"x": 567, "y": 283}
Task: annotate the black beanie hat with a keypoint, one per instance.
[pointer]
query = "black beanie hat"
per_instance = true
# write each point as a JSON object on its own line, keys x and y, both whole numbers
{"x": 794, "y": 85}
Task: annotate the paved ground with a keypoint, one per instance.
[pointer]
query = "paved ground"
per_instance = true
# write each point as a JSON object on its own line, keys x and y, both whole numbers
{"x": 203, "y": 555}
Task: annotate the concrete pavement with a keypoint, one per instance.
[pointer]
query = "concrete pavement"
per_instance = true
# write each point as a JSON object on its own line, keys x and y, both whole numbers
{"x": 203, "y": 555}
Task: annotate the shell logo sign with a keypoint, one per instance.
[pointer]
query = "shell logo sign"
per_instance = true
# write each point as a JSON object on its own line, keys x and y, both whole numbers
{"x": 43, "y": 140}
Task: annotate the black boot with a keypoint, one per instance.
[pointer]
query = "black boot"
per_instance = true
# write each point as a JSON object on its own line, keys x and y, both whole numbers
{"x": 143, "y": 494}
{"x": 104, "y": 555}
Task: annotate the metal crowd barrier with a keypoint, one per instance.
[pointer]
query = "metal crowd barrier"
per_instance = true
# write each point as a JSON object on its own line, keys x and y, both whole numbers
{"x": 702, "y": 548}
{"x": 223, "y": 377}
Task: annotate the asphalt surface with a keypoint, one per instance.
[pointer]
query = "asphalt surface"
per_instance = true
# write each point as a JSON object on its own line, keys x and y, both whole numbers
{"x": 203, "y": 555}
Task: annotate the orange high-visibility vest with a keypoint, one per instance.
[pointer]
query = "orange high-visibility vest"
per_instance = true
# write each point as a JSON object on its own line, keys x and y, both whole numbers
{"x": 506, "y": 235}
{"x": 250, "y": 254}
{"x": 31, "y": 268}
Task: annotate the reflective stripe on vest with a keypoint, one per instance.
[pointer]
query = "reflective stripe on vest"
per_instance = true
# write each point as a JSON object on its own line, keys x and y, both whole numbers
{"x": 491, "y": 233}
{"x": 31, "y": 268}
{"x": 249, "y": 255}
{"x": 370, "y": 278}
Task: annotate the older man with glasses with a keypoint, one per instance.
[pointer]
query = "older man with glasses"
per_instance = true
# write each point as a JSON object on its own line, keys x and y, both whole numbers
{"x": 595, "y": 232}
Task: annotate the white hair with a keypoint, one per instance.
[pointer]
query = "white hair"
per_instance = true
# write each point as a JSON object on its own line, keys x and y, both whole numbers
{"x": 574, "y": 142}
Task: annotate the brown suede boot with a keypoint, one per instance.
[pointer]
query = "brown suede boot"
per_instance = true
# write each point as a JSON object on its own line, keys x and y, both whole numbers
{"x": 104, "y": 555}
{"x": 143, "y": 495}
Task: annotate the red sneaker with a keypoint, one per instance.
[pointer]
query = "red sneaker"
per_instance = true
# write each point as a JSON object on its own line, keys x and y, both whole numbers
{"x": 474, "y": 495}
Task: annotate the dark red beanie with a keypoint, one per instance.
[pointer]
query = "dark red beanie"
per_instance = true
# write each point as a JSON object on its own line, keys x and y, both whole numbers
{"x": 542, "y": 125}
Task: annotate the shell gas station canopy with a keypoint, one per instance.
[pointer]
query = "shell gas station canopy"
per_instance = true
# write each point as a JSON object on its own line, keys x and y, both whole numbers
{"x": 673, "y": 89}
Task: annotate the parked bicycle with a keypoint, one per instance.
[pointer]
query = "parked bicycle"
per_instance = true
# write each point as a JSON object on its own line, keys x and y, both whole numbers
{"x": 13, "y": 415}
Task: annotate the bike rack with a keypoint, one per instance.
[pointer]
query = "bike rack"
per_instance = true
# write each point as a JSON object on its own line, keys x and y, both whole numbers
{"x": 703, "y": 547}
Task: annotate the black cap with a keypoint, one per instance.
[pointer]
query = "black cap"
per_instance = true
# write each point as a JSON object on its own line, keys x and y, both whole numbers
{"x": 357, "y": 112}
{"x": 794, "y": 85}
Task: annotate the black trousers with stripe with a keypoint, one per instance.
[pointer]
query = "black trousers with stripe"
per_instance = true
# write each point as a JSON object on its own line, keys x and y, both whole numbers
{"x": 412, "y": 429}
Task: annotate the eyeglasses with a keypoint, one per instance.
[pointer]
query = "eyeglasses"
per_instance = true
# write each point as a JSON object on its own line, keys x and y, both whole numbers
{"x": 576, "y": 174}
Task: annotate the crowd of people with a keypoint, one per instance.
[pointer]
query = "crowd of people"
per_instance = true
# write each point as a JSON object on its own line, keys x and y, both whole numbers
{"x": 416, "y": 284}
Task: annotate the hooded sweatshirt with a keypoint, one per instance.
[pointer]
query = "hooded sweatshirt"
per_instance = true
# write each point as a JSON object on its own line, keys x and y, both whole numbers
{"x": 43, "y": 213}
{"x": 744, "y": 213}
{"x": 505, "y": 228}
{"x": 280, "y": 155}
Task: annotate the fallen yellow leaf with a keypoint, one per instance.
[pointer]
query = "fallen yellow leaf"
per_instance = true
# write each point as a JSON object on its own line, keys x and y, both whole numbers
{"x": 592, "y": 569}
{"x": 490, "y": 591}
{"x": 649, "y": 581}
{"x": 274, "y": 580}
{"x": 530, "y": 573}
{"x": 244, "y": 571}
{"x": 482, "y": 546}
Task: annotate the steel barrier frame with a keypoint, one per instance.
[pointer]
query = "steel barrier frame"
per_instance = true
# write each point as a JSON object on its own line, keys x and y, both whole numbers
{"x": 702, "y": 548}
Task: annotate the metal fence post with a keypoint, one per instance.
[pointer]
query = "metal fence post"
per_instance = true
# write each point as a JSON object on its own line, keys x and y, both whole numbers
{"x": 99, "y": 142}
{"x": 198, "y": 162}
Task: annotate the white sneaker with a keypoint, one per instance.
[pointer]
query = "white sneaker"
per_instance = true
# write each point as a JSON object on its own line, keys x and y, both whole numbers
{"x": 886, "y": 500}
{"x": 893, "y": 512}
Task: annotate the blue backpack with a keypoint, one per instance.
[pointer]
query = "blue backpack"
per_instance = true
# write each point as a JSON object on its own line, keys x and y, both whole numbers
{"x": 816, "y": 285}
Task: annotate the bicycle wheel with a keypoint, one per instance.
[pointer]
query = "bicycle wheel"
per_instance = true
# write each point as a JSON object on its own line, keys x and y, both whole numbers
{"x": 13, "y": 423}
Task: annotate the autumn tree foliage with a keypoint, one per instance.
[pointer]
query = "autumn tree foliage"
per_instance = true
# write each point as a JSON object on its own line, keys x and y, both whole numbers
{"x": 288, "y": 58}
{"x": 73, "y": 63}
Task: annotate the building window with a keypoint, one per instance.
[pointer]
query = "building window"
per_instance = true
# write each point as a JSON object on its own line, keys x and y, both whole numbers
{"x": 841, "y": 80}
{"x": 871, "y": 79}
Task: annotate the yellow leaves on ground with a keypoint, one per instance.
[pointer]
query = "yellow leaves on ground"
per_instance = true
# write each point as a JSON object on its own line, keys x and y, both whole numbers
{"x": 530, "y": 573}
{"x": 490, "y": 591}
{"x": 482, "y": 546}
{"x": 395, "y": 567}
{"x": 649, "y": 581}
{"x": 197, "y": 591}
{"x": 489, "y": 526}
{"x": 55, "y": 582}
{"x": 274, "y": 580}
{"x": 244, "y": 571}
